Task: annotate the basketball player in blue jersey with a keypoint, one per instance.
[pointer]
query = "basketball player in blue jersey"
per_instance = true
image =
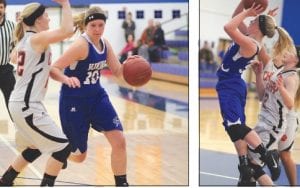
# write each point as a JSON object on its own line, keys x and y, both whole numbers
{"x": 83, "y": 101}
{"x": 33, "y": 57}
{"x": 232, "y": 89}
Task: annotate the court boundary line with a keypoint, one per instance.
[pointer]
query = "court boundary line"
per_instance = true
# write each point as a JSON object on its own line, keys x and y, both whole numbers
{"x": 30, "y": 166}
{"x": 218, "y": 175}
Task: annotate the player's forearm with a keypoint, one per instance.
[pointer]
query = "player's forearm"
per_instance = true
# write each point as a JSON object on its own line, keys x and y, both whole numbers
{"x": 235, "y": 22}
{"x": 57, "y": 74}
{"x": 67, "y": 19}
{"x": 240, "y": 8}
{"x": 287, "y": 99}
{"x": 260, "y": 88}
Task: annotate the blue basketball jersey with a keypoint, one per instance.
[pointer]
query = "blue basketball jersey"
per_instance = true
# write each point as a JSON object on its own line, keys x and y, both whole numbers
{"x": 87, "y": 71}
{"x": 88, "y": 106}
{"x": 233, "y": 63}
{"x": 231, "y": 88}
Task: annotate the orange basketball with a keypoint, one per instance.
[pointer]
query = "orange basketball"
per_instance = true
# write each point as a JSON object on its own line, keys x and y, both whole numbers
{"x": 136, "y": 71}
{"x": 248, "y": 3}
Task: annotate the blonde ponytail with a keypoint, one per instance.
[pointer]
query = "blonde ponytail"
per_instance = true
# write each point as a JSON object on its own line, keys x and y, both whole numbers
{"x": 19, "y": 31}
{"x": 284, "y": 43}
{"x": 78, "y": 21}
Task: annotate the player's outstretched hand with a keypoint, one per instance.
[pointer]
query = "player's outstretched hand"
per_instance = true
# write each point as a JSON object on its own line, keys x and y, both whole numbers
{"x": 273, "y": 12}
{"x": 254, "y": 10}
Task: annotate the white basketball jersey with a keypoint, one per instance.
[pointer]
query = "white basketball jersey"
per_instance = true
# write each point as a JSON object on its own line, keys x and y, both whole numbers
{"x": 32, "y": 72}
{"x": 273, "y": 108}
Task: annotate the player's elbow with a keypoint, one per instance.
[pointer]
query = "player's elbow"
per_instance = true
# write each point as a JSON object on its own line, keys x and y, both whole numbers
{"x": 227, "y": 28}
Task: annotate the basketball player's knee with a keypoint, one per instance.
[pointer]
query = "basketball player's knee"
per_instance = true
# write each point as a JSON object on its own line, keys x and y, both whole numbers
{"x": 120, "y": 145}
{"x": 63, "y": 154}
{"x": 258, "y": 171}
{"x": 31, "y": 154}
{"x": 238, "y": 131}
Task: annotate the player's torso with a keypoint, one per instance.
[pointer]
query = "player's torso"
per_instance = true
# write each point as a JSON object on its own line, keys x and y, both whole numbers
{"x": 32, "y": 71}
{"x": 273, "y": 107}
{"x": 87, "y": 71}
{"x": 233, "y": 63}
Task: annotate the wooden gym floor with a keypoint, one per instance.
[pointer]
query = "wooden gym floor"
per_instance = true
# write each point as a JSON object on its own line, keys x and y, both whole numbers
{"x": 155, "y": 121}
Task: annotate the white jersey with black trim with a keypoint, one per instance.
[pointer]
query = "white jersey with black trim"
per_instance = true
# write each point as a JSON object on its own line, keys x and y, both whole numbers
{"x": 273, "y": 108}
{"x": 32, "y": 72}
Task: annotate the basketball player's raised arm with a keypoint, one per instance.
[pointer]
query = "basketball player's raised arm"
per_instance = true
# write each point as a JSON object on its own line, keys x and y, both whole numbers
{"x": 240, "y": 8}
{"x": 247, "y": 46}
{"x": 44, "y": 38}
{"x": 113, "y": 62}
{"x": 257, "y": 68}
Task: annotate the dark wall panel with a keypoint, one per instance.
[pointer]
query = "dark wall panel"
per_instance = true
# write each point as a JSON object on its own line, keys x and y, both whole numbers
{"x": 290, "y": 19}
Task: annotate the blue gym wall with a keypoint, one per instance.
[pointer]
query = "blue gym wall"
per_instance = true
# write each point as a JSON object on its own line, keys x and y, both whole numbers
{"x": 88, "y": 2}
{"x": 290, "y": 19}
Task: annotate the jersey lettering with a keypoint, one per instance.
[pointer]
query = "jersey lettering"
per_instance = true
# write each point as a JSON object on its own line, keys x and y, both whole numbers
{"x": 92, "y": 77}
{"x": 20, "y": 62}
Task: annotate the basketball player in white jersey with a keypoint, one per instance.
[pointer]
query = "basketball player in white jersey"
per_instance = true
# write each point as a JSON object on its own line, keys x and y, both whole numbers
{"x": 277, "y": 82}
{"x": 33, "y": 58}
{"x": 287, "y": 140}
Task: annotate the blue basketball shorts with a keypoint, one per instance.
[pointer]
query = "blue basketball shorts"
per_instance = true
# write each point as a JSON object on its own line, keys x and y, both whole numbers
{"x": 232, "y": 107}
{"x": 78, "y": 114}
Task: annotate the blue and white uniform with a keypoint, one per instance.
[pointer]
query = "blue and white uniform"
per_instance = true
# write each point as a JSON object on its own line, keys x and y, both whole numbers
{"x": 88, "y": 105}
{"x": 231, "y": 88}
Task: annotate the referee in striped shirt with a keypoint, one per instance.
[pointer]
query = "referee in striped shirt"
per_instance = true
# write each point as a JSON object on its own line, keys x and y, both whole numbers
{"x": 7, "y": 78}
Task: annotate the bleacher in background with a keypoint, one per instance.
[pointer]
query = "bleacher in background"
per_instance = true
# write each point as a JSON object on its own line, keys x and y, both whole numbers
{"x": 174, "y": 63}
{"x": 207, "y": 85}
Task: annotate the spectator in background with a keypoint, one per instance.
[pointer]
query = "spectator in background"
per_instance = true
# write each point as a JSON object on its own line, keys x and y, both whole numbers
{"x": 159, "y": 43}
{"x": 222, "y": 50}
{"x": 146, "y": 40}
{"x": 129, "y": 49}
{"x": 129, "y": 26}
{"x": 206, "y": 57}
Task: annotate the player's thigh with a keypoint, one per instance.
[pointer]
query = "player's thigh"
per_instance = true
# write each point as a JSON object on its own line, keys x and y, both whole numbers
{"x": 105, "y": 117}
{"x": 286, "y": 141}
{"x": 74, "y": 120}
{"x": 232, "y": 108}
{"x": 38, "y": 127}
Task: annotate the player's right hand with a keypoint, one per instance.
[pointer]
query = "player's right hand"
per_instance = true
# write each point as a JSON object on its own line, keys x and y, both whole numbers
{"x": 72, "y": 82}
{"x": 257, "y": 67}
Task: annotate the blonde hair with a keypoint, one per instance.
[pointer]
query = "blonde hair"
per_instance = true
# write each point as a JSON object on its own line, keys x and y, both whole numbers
{"x": 27, "y": 11}
{"x": 79, "y": 19}
{"x": 284, "y": 43}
